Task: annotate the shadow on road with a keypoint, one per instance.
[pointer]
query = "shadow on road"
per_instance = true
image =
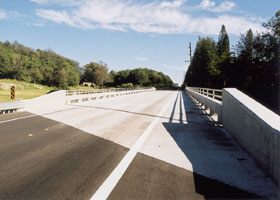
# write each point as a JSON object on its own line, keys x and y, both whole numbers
{"x": 199, "y": 139}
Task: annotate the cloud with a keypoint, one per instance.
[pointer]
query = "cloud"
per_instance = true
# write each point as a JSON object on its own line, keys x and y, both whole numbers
{"x": 142, "y": 59}
{"x": 57, "y": 2}
{"x": 174, "y": 4}
{"x": 3, "y": 14}
{"x": 9, "y": 14}
{"x": 154, "y": 17}
{"x": 207, "y": 4}
{"x": 56, "y": 16}
{"x": 40, "y": 1}
{"x": 211, "y": 6}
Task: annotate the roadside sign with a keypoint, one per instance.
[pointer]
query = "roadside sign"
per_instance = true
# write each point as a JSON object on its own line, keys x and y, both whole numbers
{"x": 13, "y": 92}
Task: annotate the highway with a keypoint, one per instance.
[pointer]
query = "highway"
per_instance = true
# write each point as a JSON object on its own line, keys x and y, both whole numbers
{"x": 152, "y": 145}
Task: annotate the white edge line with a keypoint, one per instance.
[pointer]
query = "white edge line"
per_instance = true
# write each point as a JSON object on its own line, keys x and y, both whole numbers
{"x": 109, "y": 184}
{"x": 10, "y": 120}
{"x": 33, "y": 115}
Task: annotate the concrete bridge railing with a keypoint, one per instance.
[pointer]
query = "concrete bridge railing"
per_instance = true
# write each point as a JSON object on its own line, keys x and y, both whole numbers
{"x": 253, "y": 126}
{"x": 75, "y": 96}
{"x": 9, "y": 107}
{"x": 64, "y": 97}
{"x": 211, "y": 100}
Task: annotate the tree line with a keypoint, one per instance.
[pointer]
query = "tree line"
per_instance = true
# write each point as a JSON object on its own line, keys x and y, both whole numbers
{"x": 37, "y": 66}
{"x": 48, "y": 68}
{"x": 252, "y": 66}
{"x": 100, "y": 75}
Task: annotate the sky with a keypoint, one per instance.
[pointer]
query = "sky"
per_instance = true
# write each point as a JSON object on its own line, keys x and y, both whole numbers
{"x": 132, "y": 33}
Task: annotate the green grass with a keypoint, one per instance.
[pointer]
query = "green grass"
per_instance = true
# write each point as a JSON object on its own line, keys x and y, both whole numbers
{"x": 26, "y": 90}
{"x": 23, "y": 90}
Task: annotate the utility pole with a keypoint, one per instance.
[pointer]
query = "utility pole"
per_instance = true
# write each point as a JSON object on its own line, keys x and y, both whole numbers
{"x": 190, "y": 54}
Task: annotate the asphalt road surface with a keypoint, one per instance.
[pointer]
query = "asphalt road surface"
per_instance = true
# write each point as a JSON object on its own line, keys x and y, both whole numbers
{"x": 153, "y": 145}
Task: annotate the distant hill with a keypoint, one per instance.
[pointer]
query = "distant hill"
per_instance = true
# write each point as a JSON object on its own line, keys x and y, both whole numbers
{"x": 37, "y": 66}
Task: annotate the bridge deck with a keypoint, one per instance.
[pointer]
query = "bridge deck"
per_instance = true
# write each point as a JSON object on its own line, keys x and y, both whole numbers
{"x": 69, "y": 153}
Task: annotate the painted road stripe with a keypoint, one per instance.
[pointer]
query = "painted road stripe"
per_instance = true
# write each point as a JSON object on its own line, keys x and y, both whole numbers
{"x": 29, "y": 116}
{"x": 109, "y": 184}
{"x": 10, "y": 120}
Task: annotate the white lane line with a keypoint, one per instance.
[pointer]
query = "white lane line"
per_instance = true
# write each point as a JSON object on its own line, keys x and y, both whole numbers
{"x": 34, "y": 115}
{"x": 10, "y": 120}
{"x": 109, "y": 184}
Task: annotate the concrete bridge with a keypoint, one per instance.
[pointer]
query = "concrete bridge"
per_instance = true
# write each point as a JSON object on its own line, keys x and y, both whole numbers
{"x": 140, "y": 144}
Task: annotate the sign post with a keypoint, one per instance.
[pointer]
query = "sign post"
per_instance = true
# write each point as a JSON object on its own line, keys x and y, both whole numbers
{"x": 13, "y": 92}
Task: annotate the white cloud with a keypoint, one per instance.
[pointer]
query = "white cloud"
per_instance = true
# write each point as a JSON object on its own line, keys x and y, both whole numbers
{"x": 58, "y": 2}
{"x": 155, "y": 17}
{"x": 207, "y": 4}
{"x": 40, "y": 1}
{"x": 56, "y": 16}
{"x": 211, "y": 6}
{"x": 10, "y": 14}
{"x": 224, "y": 6}
{"x": 174, "y": 4}
{"x": 142, "y": 59}
{"x": 3, "y": 14}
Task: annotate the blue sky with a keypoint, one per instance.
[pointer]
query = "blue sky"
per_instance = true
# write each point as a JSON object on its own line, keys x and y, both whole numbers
{"x": 132, "y": 33}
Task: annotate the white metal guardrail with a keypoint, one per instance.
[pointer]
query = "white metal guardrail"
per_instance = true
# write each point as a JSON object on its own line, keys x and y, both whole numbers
{"x": 8, "y": 107}
{"x": 212, "y": 93}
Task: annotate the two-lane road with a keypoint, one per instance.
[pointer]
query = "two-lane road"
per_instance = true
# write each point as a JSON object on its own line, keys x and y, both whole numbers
{"x": 154, "y": 145}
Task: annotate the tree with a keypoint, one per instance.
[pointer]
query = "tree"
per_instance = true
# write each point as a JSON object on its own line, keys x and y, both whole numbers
{"x": 141, "y": 76}
{"x": 245, "y": 58}
{"x": 223, "y": 47}
{"x": 223, "y": 53}
{"x": 96, "y": 73}
{"x": 62, "y": 78}
{"x": 274, "y": 24}
{"x": 203, "y": 67}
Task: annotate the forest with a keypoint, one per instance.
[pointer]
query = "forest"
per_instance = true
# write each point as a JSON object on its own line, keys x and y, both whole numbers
{"x": 252, "y": 65}
{"x": 48, "y": 68}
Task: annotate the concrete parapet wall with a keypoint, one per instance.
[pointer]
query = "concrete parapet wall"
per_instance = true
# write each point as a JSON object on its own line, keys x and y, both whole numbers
{"x": 214, "y": 105}
{"x": 50, "y": 100}
{"x": 9, "y": 107}
{"x": 59, "y": 98}
{"x": 96, "y": 96}
{"x": 255, "y": 128}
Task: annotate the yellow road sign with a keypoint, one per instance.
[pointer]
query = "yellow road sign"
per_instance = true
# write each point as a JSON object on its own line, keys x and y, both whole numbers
{"x": 13, "y": 92}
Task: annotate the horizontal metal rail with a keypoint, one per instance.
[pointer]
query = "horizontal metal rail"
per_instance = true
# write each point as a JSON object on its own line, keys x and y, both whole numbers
{"x": 94, "y": 91}
{"x": 212, "y": 93}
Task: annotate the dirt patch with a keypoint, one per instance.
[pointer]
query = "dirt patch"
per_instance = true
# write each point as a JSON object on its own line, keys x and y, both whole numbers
{"x": 7, "y": 86}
